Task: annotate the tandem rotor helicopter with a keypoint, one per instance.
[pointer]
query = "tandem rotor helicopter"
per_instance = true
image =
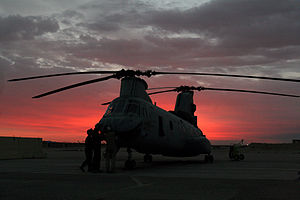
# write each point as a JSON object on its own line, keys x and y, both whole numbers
{"x": 148, "y": 129}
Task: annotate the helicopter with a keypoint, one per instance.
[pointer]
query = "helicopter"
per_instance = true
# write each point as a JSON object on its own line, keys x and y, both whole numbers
{"x": 147, "y": 128}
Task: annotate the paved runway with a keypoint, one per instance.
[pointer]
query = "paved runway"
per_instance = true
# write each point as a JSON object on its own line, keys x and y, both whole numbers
{"x": 262, "y": 175}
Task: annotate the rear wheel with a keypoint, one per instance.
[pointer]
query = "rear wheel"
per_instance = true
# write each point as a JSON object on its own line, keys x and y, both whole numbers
{"x": 236, "y": 157}
{"x": 241, "y": 156}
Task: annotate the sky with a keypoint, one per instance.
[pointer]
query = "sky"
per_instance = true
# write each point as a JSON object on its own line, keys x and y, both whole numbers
{"x": 257, "y": 37}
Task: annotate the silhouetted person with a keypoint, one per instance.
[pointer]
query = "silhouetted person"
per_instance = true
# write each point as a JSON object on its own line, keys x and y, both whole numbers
{"x": 97, "y": 150}
{"x": 88, "y": 151}
{"x": 111, "y": 150}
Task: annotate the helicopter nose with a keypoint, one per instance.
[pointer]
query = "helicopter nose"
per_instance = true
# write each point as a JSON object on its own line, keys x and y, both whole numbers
{"x": 121, "y": 124}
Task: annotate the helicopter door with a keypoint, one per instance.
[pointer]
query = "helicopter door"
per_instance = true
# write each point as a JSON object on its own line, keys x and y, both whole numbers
{"x": 160, "y": 126}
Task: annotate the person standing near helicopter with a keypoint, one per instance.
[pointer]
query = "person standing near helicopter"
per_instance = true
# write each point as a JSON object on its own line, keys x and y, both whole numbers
{"x": 97, "y": 151}
{"x": 111, "y": 150}
{"x": 97, "y": 138}
{"x": 88, "y": 150}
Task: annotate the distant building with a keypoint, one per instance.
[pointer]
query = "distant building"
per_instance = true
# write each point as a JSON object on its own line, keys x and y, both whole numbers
{"x": 296, "y": 141}
{"x": 20, "y": 147}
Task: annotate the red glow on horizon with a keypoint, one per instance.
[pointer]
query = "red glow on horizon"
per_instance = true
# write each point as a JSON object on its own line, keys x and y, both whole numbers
{"x": 66, "y": 118}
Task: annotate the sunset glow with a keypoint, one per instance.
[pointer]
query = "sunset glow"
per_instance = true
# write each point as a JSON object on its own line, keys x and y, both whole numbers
{"x": 254, "y": 38}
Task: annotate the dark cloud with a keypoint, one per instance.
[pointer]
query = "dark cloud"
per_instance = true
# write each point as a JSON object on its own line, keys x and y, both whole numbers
{"x": 101, "y": 26}
{"x": 37, "y": 7}
{"x": 224, "y": 38}
{"x": 17, "y": 27}
{"x": 226, "y": 33}
{"x": 109, "y": 16}
{"x": 176, "y": 52}
{"x": 236, "y": 23}
{"x": 2, "y": 79}
{"x": 106, "y": 7}
{"x": 72, "y": 14}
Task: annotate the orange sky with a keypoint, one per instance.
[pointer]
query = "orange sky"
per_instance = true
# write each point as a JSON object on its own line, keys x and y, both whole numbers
{"x": 222, "y": 117}
{"x": 240, "y": 37}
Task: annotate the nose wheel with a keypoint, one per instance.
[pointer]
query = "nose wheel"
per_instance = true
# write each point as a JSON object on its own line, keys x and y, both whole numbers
{"x": 129, "y": 163}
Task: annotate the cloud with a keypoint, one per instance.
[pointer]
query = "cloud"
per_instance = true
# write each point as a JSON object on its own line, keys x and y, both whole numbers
{"x": 37, "y": 7}
{"x": 16, "y": 27}
{"x": 211, "y": 36}
{"x": 2, "y": 80}
{"x": 216, "y": 33}
{"x": 236, "y": 23}
{"x": 102, "y": 26}
{"x": 232, "y": 36}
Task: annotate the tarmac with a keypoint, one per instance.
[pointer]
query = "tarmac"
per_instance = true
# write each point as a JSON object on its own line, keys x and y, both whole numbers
{"x": 264, "y": 175}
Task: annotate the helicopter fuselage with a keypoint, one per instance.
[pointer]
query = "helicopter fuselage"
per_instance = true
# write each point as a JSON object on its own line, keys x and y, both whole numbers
{"x": 151, "y": 130}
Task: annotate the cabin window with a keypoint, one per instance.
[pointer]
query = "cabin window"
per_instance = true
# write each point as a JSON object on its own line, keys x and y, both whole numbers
{"x": 160, "y": 126}
{"x": 171, "y": 125}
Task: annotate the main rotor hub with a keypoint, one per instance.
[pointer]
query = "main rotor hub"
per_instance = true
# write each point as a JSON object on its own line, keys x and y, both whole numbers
{"x": 185, "y": 88}
{"x": 132, "y": 73}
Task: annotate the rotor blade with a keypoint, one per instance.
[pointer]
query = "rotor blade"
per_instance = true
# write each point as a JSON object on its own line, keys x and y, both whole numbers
{"x": 159, "y": 88}
{"x": 249, "y": 91}
{"x": 228, "y": 90}
{"x": 174, "y": 90}
{"x": 227, "y": 75}
{"x": 75, "y": 85}
{"x": 63, "y": 74}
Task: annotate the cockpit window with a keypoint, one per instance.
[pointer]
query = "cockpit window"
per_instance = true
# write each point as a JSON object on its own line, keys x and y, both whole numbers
{"x": 109, "y": 110}
{"x": 121, "y": 106}
{"x": 115, "y": 107}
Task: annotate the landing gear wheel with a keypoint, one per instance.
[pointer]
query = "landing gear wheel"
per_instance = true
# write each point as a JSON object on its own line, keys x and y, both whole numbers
{"x": 147, "y": 158}
{"x": 236, "y": 157}
{"x": 206, "y": 158}
{"x": 130, "y": 164}
{"x": 209, "y": 158}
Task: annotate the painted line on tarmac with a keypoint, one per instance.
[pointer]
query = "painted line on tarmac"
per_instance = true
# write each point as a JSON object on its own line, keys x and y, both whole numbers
{"x": 137, "y": 181}
{"x": 255, "y": 168}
